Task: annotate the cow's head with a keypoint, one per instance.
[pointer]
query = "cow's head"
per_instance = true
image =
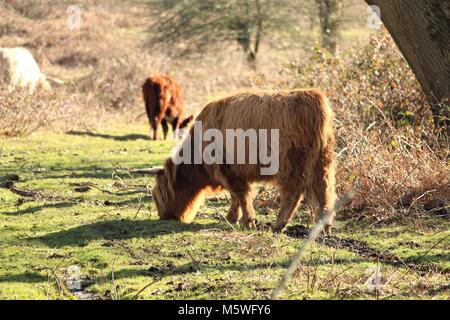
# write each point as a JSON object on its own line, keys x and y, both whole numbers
{"x": 175, "y": 196}
{"x": 185, "y": 125}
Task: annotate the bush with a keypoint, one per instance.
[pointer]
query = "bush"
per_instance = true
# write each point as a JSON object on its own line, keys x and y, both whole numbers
{"x": 386, "y": 136}
{"x": 116, "y": 83}
{"x": 375, "y": 79}
{"x": 22, "y": 113}
{"x": 33, "y": 9}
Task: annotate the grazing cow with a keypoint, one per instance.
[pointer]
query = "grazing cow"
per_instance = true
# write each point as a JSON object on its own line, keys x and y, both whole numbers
{"x": 164, "y": 103}
{"x": 19, "y": 69}
{"x": 304, "y": 122}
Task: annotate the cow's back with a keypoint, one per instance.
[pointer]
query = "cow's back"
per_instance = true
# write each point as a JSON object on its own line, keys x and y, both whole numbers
{"x": 295, "y": 113}
{"x": 300, "y": 117}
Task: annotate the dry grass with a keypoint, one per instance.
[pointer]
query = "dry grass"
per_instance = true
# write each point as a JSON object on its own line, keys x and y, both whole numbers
{"x": 385, "y": 130}
{"x": 105, "y": 62}
{"x": 33, "y": 114}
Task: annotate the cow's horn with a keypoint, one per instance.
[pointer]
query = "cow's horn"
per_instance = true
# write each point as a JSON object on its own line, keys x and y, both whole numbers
{"x": 154, "y": 170}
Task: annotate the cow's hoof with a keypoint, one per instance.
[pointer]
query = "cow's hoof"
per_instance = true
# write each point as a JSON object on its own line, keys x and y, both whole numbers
{"x": 249, "y": 224}
{"x": 232, "y": 221}
{"x": 232, "y": 218}
{"x": 278, "y": 229}
{"x": 279, "y": 226}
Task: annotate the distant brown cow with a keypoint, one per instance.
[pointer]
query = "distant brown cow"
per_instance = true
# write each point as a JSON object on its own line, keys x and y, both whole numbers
{"x": 305, "y": 152}
{"x": 164, "y": 103}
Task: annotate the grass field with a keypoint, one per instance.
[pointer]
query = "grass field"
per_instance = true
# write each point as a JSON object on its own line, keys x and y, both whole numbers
{"x": 80, "y": 206}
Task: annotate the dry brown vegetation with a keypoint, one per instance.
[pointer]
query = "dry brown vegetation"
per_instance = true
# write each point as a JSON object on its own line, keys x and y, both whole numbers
{"x": 386, "y": 134}
{"x": 104, "y": 63}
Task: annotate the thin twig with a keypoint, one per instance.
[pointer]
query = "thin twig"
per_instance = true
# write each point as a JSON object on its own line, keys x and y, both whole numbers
{"x": 144, "y": 288}
{"x": 314, "y": 233}
{"x": 221, "y": 215}
{"x": 120, "y": 193}
{"x": 434, "y": 246}
{"x": 141, "y": 205}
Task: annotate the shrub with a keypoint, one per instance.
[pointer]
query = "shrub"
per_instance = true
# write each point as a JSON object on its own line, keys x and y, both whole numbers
{"x": 386, "y": 136}
{"x": 33, "y": 9}
{"x": 22, "y": 113}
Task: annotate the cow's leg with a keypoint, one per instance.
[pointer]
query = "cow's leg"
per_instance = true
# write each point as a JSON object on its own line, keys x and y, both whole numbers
{"x": 155, "y": 122}
{"x": 175, "y": 125}
{"x": 323, "y": 193}
{"x": 13, "y": 82}
{"x": 150, "y": 116}
{"x": 248, "y": 213}
{"x": 165, "y": 128}
{"x": 242, "y": 191}
{"x": 153, "y": 127}
{"x": 290, "y": 200}
{"x": 234, "y": 213}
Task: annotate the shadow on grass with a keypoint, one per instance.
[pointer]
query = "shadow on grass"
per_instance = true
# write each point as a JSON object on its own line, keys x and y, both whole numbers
{"x": 36, "y": 209}
{"x": 194, "y": 268}
{"x": 119, "y": 230}
{"x": 431, "y": 259}
{"x": 94, "y": 172}
{"x": 63, "y": 172}
{"x": 128, "y": 137}
{"x": 133, "y": 203}
{"x": 26, "y": 277}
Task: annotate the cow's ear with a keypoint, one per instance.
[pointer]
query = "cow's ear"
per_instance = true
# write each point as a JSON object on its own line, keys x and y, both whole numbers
{"x": 153, "y": 171}
{"x": 186, "y": 122}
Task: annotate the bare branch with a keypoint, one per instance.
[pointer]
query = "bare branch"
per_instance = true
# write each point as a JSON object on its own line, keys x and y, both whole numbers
{"x": 314, "y": 233}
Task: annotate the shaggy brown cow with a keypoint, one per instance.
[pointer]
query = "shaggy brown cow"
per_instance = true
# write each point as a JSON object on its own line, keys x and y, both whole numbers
{"x": 305, "y": 153}
{"x": 164, "y": 103}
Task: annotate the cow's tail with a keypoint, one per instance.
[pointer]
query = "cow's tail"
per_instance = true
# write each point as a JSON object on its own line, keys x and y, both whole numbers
{"x": 55, "y": 80}
{"x": 321, "y": 173}
{"x": 319, "y": 118}
{"x": 328, "y": 124}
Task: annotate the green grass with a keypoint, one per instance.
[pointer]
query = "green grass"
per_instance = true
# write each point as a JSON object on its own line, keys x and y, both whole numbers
{"x": 112, "y": 233}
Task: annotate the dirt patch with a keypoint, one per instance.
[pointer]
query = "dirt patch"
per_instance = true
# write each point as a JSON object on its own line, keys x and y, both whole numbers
{"x": 361, "y": 248}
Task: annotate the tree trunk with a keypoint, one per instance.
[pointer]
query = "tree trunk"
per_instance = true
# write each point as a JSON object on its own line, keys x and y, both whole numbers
{"x": 259, "y": 26}
{"x": 330, "y": 12}
{"x": 421, "y": 30}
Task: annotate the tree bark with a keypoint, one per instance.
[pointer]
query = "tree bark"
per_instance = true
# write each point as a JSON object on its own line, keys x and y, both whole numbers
{"x": 421, "y": 30}
{"x": 330, "y": 12}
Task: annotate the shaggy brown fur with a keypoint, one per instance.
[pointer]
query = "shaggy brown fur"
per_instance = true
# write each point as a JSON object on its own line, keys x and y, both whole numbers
{"x": 306, "y": 161}
{"x": 164, "y": 103}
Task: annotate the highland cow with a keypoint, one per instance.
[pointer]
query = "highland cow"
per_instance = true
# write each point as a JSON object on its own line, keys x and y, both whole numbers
{"x": 164, "y": 103}
{"x": 304, "y": 122}
{"x": 19, "y": 69}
